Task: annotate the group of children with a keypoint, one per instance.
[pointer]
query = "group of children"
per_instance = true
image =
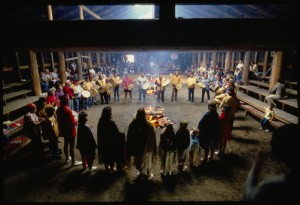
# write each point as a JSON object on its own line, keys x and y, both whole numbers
{"x": 184, "y": 146}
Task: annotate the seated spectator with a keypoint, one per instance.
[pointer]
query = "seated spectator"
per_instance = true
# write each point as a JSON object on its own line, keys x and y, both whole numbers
{"x": 269, "y": 116}
{"x": 276, "y": 92}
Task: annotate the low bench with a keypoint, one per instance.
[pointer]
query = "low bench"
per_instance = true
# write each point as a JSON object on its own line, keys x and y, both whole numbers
{"x": 16, "y": 94}
{"x": 14, "y": 145}
{"x": 280, "y": 115}
{"x": 259, "y": 114}
{"x": 260, "y": 84}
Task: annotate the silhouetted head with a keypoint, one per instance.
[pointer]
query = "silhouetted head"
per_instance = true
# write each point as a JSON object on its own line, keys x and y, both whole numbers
{"x": 140, "y": 115}
{"x": 285, "y": 145}
{"x": 106, "y": 113}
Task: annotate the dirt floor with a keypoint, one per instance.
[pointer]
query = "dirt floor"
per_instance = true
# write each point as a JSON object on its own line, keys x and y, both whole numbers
{"x": 222, "y": 179}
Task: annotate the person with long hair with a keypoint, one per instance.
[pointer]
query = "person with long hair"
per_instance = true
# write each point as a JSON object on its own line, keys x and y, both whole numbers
{"x": 141, "y": 143}
{"x": 109, "y": 141}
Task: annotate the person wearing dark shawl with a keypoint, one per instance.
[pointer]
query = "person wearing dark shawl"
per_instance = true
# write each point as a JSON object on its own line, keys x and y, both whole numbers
{"x": 209, "y": 131}
{"x": 141, "y": 143}
{"x": 109, "y": 141}
{"x": 86, "y": 142}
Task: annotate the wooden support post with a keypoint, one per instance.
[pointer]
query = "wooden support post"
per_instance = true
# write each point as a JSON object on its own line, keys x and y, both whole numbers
{"x": 34, "y": 70}
{"x": 204, "y": 59}
{"x": 18, "y": 66}
{"x": 193, "y": 58}
{"x": 42, "y": 61}
{"x": 276, "y": 67}
{"x": 79, "y": 66}
{"x": 227, "y": 61}
{"x": 90, "y": 63}
{"x": 52, "y": 61}
{"x": 104, "y": 58}
{"x": 214, "y": 59}
{"x": 62, "y": 67}
{"x": 232, "y": 61}
{"x": 246, "y": 68}
{"x": 265, "y": 62}
{"x": 81, "y": 12}
{"x": 49, "y": 12}
{"x": 255, "y": 57}
{"x": 98, "y": 58}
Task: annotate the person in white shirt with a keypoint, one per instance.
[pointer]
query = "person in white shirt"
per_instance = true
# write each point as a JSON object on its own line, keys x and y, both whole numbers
{"x": 141, "y": 80}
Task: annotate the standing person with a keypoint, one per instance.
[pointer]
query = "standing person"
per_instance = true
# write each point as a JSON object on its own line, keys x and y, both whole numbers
{"x": 68, "y": 90}
{"x": 182, "y": 141}
{"x": 87, "y": 86}
{"x": 141, "y": 80}
{"x": 141, "y": 143}
{"x": 175, "y": 80}
{"x": 125, "y": 83}
{"x": 167, "y": 149}
{"x": 77, "y": 96}
{"x": 101, "y": 82}
{"x": 194, "y": 148}
{"x": 66, "y": 127}
{"x": 210, "y": 131}
{"x": 225, "y": 124}
{"x": 32, "y": 129}
{"x": 51, "y": 130}
{"x": 160, "y": 88}
{"x": 109, "y": 141}
{"x": 191, "y": 83}
{"x": 285, "y": 188}
{"x": 278, "y": 91}
{"x": 206, "y": 82}
{"x": 86, "y": 142}
{"x": 269, "y": 116}
{"x": 116, "y": 86}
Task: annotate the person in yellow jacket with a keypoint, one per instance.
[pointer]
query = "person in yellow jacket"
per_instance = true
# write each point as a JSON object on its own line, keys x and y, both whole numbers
{"x": 175, "y": 80}
{"x": 159, "y": 82}
{"x": 191, "y": 83}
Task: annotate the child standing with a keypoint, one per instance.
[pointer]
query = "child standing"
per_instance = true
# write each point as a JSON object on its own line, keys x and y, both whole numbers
{"x": 269, "y": 116}
{"x": 86, "y": 142}
{"x": 167, "y": 149}
{"x": 194, "y": 148}
{"x": 225, "y": 128}
{"x": 51, "y": 131}
{"x": 182, "y": 141}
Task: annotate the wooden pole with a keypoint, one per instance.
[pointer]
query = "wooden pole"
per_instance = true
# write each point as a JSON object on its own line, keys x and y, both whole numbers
{"x": 246, "y": 68}
{"x": 81, "y": 12}
{"x": 227, "y": 61}
{"x": 98, "y": 58}
{"x": 214, "y": 59}
{"x": 204, "y": 59}
{"x": 62, "y": 67}
{"x": 43, "y": 61}
{"x": 255, "y": 57}
{"x": 276, "y": 68}
{"x": 104, "y": 58}
{"x": 18, "y": 66}
{"x": 49, "y": 11}
{"x": 265, "y": 62}
{"x": 79, "y": 66}
{"x": 34, "y": 71}
{"x": 90, "y": 63}
{"x": 52, "y": 61}
{"x": 87, "y": 10}
{"x": 199, "y": 59}
{"x": 232, "y": 61}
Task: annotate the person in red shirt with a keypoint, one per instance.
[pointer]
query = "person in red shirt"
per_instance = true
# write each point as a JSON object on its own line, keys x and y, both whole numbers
{"x": 66, "y": 127}
{"x": 69, "y": 92}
